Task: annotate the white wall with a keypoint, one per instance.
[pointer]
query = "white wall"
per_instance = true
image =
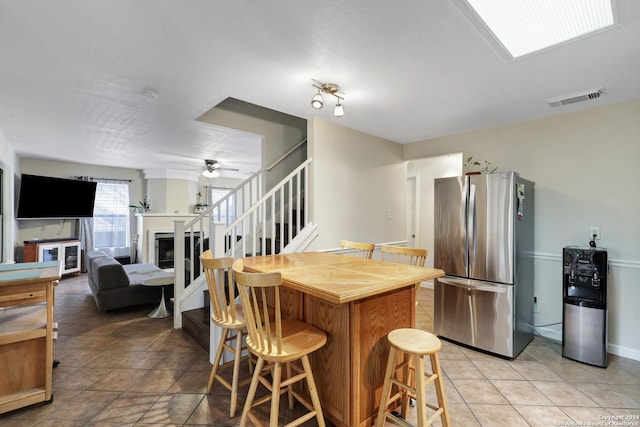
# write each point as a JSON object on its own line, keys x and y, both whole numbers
{"x": 10, "y": 167}
{"x": 280, "y": 132}
{"x": 355, "y": 179}
{"x": 585, "y": 166}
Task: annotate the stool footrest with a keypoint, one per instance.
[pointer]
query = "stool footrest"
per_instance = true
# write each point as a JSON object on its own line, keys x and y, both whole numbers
{"x": 433, "y": 417}
{"x": 411, "y": 390}
{"x": 410, "y": 379}
{"x": 399, "y": 420}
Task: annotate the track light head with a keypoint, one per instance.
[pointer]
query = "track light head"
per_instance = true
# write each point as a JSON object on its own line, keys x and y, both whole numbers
{"x": 317, "y": 102}
{"x": 338, "y": 111}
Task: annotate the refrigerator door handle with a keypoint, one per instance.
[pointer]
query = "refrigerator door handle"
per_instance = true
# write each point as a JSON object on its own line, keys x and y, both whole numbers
{"x": 472, "y": 224}
{"x": 473, "y": 285}
{"x": 463, "y": 226}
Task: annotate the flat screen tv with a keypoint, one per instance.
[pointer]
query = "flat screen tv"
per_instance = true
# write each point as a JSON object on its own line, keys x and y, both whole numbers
{"x": 43, "y": 197}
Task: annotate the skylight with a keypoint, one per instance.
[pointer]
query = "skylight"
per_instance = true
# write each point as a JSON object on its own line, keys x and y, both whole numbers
{"x": 526, "y": 26}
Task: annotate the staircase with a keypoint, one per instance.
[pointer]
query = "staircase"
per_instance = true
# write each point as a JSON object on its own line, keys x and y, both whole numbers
{"x": 272, "y": 223}
{"x": 195, "y": 323}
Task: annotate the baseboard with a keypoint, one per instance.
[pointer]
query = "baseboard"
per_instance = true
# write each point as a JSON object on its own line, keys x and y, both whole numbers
{"x": 428, "y": 284}
{"x": 550, "y": 332}
{"x": 555, "y": 334}
{"x": 622, "y": 351}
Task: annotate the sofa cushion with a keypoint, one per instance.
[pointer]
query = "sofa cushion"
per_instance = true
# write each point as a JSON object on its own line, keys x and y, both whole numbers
{"x": 90, "y": 257}
{"x": 108, "y": 273}
{"x": 138, "y": 273}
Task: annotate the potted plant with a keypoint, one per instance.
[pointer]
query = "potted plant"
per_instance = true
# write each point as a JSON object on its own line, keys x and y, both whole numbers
{"x": 474, "y": 167}
{"x": 200, "y": 207}
{"x": 142, "y": 207}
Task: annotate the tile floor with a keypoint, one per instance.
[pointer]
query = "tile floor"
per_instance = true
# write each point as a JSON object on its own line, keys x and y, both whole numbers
{"x": 124, "y": 369}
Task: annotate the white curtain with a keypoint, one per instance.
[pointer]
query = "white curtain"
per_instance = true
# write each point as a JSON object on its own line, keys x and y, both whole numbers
{"x": 86, "y": 239}
{"x": 108, "y": 230}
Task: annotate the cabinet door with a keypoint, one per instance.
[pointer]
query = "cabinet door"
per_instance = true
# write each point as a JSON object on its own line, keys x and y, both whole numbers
{"x": 71, "y": 257}
{"x": 49, "y": 252}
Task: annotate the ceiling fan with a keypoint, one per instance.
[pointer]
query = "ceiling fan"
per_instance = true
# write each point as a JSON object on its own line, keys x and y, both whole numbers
{"x": 212, "y": 168}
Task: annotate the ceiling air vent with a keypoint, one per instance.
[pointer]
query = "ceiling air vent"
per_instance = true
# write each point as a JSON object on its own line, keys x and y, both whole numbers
{"x": 576, "y": 97}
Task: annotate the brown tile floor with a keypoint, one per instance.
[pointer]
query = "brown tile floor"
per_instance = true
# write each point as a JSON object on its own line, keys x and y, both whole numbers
{"x": 123, "y": 369}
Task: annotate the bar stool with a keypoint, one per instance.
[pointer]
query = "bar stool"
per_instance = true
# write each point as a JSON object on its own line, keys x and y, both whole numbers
{"x": 403, "y": 255}
{"x": 278, "y": 343}
{"x": 228, "y": 315}
{"x": 413, "y": 344}
{"x": 357, "y": 249}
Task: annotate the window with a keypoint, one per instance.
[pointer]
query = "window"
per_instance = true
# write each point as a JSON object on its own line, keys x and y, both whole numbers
{"x": 524, "y": 26}
{"x": 111, "y": 215}
{"x": 226, "y": 211}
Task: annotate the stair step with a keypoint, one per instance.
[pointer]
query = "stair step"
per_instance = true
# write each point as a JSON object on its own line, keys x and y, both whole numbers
{"x": 195, "y": 323}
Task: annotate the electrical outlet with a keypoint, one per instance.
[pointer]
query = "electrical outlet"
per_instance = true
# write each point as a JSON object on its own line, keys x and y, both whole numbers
{"x": 595, "y": 231}
{"x": 536, "y": 306}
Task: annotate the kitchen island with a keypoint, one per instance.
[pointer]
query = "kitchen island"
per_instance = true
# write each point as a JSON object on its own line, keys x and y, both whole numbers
{"x": 27, "y": 332}
{"x": 357, "y": 302}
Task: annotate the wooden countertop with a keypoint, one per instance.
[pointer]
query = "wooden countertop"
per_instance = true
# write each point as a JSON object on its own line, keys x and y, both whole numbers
{"x": 339, "y": 278}
{"x": 12, "y": 274}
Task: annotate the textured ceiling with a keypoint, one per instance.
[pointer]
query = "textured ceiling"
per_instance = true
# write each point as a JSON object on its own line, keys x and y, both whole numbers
{"x": 72, "y": 73}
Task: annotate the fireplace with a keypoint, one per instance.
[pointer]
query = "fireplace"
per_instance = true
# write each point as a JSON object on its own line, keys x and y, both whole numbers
{"x": 164, "y": 254}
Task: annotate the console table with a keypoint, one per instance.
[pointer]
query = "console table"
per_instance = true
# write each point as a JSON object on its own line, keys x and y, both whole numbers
{"x": 27, "y": 332}
{"x": 67, "y": 251}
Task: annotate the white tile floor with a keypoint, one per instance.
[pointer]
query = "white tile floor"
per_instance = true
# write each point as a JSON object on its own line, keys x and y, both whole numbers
{"x": 124, "y": 369}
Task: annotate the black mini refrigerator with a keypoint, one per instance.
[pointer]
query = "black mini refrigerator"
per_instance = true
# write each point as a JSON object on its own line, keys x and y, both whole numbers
{"x": 584, "y": 312}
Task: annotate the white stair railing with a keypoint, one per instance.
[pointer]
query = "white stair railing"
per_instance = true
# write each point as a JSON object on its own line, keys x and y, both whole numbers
{"x": 187, "y": 268}
{"x": 263, "y": 224}
{"x": 268, "y": 225}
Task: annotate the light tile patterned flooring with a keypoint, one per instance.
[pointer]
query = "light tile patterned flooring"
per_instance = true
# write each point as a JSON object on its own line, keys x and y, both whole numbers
{"x": 124, "y": 369}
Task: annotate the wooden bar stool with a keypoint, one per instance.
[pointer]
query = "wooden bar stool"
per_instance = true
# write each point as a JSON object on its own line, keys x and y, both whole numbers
{"x": 357, "y": 249}
{"x": 229, "y": 316}
{"x": 277, "y": 343}
{"x": 403, "y": 255}
{"x": 413, "y": 344}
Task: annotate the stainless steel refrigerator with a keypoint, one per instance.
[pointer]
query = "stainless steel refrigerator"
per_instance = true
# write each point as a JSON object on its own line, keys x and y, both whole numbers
{"x": 483, "y": 235}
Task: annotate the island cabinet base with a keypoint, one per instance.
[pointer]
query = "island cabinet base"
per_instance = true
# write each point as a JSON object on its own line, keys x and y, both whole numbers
{"x": 349, "y": 369}
{"x": 26, "y": 334}
{"x": 357, "y": 302}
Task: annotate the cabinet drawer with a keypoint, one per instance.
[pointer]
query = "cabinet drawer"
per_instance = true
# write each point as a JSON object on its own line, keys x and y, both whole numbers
{"x": 22, "y": 294}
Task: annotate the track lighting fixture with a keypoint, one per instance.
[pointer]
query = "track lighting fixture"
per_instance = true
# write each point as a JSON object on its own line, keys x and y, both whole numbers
{"x": 331, "y": 89}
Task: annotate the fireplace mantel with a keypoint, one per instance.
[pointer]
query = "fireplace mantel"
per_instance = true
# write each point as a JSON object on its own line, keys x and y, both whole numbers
{"x": 148, "y": 224}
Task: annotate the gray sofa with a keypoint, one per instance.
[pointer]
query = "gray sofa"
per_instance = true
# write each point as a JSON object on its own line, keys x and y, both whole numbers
{"x": 116, "y": 286}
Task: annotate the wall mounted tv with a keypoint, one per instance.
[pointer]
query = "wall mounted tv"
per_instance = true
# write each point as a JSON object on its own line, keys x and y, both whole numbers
{"x": 43, "y": 197}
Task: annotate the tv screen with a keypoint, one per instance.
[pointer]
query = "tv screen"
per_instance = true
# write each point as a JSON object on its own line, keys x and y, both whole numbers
{"x": 43, "y": 197}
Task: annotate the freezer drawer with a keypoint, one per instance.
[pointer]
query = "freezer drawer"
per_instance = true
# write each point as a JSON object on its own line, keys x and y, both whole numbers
{"x": 478, "y": 314}
{"x": 584, "y": 334}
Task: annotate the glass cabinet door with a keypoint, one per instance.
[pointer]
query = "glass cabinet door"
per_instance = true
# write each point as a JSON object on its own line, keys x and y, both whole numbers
{"x": 48, "y": 252}
{"x": 71, "y": 257}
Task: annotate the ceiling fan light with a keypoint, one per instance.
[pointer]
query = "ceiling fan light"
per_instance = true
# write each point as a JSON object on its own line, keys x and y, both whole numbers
{"x": 317, "y": 102}
{"x": 210, "y": 173}
{"x": 338, "y": 111}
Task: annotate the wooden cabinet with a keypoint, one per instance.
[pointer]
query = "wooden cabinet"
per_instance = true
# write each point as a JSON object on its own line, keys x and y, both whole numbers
{"x": 66, "y": 251}
{"x": 26, "y": 333}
